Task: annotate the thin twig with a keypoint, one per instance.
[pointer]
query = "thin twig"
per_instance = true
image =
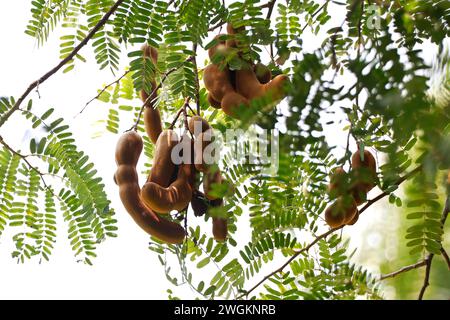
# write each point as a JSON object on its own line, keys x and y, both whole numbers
{"x": 324, "y": 235}
{"x": 446, "y": 258}
{"x": 172, "y": 125}
{"x": 63, "y": 62}
{"x": 426, "y": 281}
{"x": 404, "y": 269}
{"x": 197, "y": 82}
{"x": 102, "y": 91}
{"x": 30, "y": 166}
{"x": 316, "y": 13}
{"x": 271, "y": 6}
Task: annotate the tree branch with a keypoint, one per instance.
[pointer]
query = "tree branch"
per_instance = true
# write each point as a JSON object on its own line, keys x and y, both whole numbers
{"x": 426, "y": 281}
{"x": 324, "y": 235}
{"x": 271, "y": 6}
{"x": 42, "y": 79}
{"x": 404, "y": 269}
{"x": 101, "y": 92}
{"x": 446, "y": 258}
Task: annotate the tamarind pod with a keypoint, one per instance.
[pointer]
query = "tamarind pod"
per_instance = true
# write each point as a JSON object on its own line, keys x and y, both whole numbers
{"x": 203, "y": 140}
{"x": 198, "y": 125}
{"x": 263, "y": 73}
{"x": 213, "y": 103}
{"x": 217, "y": 82}
{"x": 338, "y": 183}
{"x": 247, "y": 84}
{"x": 365, "y": 170}
{"x": 163, "y": 166}
{"x": 175, "y": 197}
{"x": 359, "y": 193}
{"x": 128, "y": 150}
{"x": 343, "y": 210}
{"x": 354, "y": 220}
{"x": 233, "y": 43}
{"x": 152, "y": 117}
{"x": 199, "y": 203}
{"x": 209, "y": 179}
{"x": 220, "y": 229}
{"x": 220, "y": 47}
{"x": 234, "y": 105}
{"x": 150, "y": 52}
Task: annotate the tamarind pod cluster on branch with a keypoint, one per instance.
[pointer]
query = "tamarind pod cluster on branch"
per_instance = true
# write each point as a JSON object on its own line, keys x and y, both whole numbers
{"x": 152, "y": 116}
{"x": 234, "y": 90}
{"x": 350, "y": 189}
{"x": 203, "y": 133}
{"x": 218, "y": 83}
{"x": 127, "y": 154}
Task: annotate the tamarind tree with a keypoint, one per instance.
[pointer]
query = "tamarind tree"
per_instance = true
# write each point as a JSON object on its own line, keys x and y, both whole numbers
{"x": 354, "y": 66}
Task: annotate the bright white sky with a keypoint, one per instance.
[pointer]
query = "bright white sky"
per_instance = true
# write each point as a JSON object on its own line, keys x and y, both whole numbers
{"x": 125, "y": 268}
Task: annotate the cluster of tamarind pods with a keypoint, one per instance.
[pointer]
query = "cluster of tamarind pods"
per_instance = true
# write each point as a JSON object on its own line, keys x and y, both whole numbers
{"x": 172, "y": 187}
{"x": 349, "y": 190}
{"x": 232, "y": 90}
{"x": 169, "y": 187}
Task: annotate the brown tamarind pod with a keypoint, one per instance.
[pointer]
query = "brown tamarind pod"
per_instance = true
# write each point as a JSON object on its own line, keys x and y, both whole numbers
{"x": 178, "y": 194}
{"x": 359, "y": 193}
{"x": 365, "y": 175}
{"x": 175, "y": 197}
{"x": 343, "y": 210}
{"x": 199, "y": 203}
{"x": 263, "y": 73}
{"x": 128, "y": 151}
{"x": 209, "y": 179}
{"x": 201, "y": 143}
{"x": 219, "y": 85}
{"x": 354, "y": 220}
{"x": 233, "y": 43}
{"x": 220, "y": 229}
{"x": 247, "y": 84}
{"x": 366, "y": 167}
{"x": 152, "y": 117}
{"x": 219, "y": 225}
{"x": 150, "y": 52}
{"x": 198, "y": 125}
{"x": 219, "y": 48}
{"x": 213, "y": 103}
{"x": 338, "y": 184}
{"x": 163, "y": 167}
